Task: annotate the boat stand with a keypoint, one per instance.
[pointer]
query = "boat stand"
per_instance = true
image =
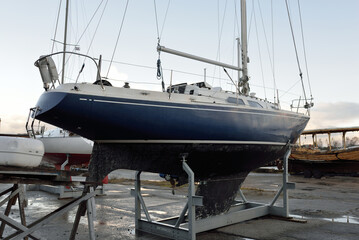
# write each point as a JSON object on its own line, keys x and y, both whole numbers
{"x": 65, "y": 192}
{"x": 186, "y": 226}
{"x": 16, "y": 193}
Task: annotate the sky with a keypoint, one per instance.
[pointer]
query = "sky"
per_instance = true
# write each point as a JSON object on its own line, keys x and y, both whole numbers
{"x": 207, "y": 28}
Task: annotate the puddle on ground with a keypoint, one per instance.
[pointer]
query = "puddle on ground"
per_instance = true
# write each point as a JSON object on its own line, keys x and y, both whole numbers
{"x": 343, "y": 219}
{"x": 114, "y": 191}
{"x": 308, "y": 189}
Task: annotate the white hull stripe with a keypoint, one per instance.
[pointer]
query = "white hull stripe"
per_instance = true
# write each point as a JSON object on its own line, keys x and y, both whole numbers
{"x": 190, "y": 108}
{"x": 194, "y": 141}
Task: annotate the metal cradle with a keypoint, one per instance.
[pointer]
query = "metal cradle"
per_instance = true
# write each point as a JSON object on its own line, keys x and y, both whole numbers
{"x": 186, "y": 226}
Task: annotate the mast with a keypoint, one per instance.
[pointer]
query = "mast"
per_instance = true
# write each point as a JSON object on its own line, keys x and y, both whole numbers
{"x": 65, "y": 42}
{"x": 244, "y": 79}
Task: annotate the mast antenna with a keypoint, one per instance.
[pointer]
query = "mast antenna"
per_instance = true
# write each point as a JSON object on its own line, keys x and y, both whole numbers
{"x": 243, "y": 81}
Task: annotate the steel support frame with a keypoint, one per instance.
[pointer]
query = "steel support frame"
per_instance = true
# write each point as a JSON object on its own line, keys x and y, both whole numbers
{"x": 67, "y": 193}
{"x": 24, "y": 231}
{"x": 186, "y": 226}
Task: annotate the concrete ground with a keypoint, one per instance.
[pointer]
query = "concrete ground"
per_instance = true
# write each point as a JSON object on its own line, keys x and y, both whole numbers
{"x": 330, "y": 206}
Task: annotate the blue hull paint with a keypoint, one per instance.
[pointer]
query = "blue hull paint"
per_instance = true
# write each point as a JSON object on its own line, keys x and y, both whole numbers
{"x": 219, "y": 140}
{"x": 105, "y": 118}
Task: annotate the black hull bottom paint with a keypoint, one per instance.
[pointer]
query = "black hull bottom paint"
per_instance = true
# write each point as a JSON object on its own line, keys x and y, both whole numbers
{"x": 205, "y": 160}
{"x": 218, "y": 194}
{"x": 221, "y": 169}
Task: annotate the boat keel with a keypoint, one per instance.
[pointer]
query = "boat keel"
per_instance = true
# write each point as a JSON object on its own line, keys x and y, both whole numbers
{"x": 219, "y": 194}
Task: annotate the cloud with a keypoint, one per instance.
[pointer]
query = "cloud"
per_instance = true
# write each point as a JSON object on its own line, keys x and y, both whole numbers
{"x": 330, "y": 115}
{"x": 13, "y": 124}
{"x": 114, "y": 74}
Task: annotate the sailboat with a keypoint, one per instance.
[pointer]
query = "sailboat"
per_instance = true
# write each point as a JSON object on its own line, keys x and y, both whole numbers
{"x": 222, "y": 135}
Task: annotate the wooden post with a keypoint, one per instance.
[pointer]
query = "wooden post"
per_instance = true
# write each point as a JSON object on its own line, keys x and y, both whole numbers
{"x": 344, "y": 143}
{"x": 10, "y": 203}
{"x": 314, "y": 143}
{"x": 22, "y": 205}
{"x": 80, "y": 212}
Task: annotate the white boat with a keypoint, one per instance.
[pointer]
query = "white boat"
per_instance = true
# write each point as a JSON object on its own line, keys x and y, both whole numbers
{"x": 61, "y": 146}
{"x": 20, "y": 152}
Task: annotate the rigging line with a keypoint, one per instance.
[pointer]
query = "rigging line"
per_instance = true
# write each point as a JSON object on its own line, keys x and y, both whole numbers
{"x": 68, "y": 58}
{"x": 55, "y": 33}
{"x": 220, "y": 31}
{"x": 250, "y": 24}
{"x": 296, "y": 51}
{"x": 218, "y": 46}
{"x": 76, "y": 7}
{"x": 165, "y": 69}
{"x": 164, "y": 21}
{"x": 260, "y": 55}
{"x": 176, "y": 71}
{"x": 218, "y": 20}
{"x": 98, "y": 24}
{"x": 274, "y": 77}
{"x": 236, "y": 15}
{"x": 94, "y": 14}
{"x": 134, "y": 82}
{"x": 94, "y": 34}
{"x": 57, "y": 23}
{"x": 118, "y": 37}
{"x": 285, "y": 92}
{"x": 291, "y": 87}
{"x": 234, "y": 34}
{"x": 235, "y": 27}
{"x": 266, "y": 39}
{"x": 305, "y": 53}
{"x": 189, "y": 73}
{"x": 158, "y": 33}
{"x": 238, "y": 32}
{"x": 234, "y": 43}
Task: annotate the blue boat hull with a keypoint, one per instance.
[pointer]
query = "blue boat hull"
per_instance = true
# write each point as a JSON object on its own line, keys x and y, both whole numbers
{"x": 151, "y": 135}
{"x": 121, "y": 120}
